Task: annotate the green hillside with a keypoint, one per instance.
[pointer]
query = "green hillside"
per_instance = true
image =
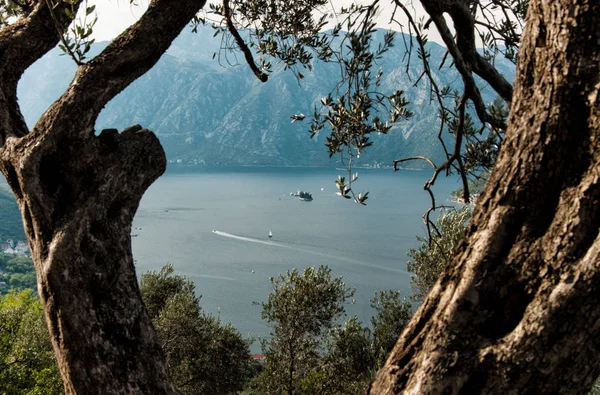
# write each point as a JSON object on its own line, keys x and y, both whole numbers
{"x": 10, "y": 218}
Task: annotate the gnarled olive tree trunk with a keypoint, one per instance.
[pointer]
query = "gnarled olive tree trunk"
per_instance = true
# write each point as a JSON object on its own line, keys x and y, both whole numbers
{"x": 78, "y": 193}
{"x": 518, "y": 310}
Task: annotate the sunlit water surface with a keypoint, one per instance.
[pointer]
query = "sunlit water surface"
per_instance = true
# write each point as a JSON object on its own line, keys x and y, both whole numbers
{"x": 213, "y": 225}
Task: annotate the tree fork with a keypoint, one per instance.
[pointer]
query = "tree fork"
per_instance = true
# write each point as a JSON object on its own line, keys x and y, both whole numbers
{"x": 78, "y": 202}
{"x": 517, "y": 309}
{"x": 78, "y": 193}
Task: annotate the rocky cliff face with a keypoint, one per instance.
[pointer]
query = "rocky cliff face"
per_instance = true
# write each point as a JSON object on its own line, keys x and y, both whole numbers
{"x": 209, "y": 113}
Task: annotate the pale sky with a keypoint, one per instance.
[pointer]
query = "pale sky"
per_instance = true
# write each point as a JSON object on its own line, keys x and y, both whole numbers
{"x": 116, "y": 15}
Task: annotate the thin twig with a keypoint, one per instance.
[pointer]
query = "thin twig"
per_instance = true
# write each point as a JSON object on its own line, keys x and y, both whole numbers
{"x": 426, "y": 159}
{"x": 61, "y": 33}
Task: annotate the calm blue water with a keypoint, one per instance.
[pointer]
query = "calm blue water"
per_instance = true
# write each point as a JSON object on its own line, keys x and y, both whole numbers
{"x": 366, "y": 245}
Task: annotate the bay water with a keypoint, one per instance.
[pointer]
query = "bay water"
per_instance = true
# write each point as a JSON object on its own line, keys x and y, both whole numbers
{"x": 213, "y": 224}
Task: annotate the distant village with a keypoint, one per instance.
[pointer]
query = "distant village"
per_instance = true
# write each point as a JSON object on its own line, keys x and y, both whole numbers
{"x": 19, "y": 248}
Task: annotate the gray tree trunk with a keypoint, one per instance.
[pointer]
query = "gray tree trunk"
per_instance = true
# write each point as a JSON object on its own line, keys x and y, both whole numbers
{"x": 78, "y": 193}
{"x": 518, "y": 311}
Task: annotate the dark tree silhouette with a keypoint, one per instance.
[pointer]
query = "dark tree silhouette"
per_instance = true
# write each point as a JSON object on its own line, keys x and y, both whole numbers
{"x": 78, "y": 193}
{"x": 517, "y": 309}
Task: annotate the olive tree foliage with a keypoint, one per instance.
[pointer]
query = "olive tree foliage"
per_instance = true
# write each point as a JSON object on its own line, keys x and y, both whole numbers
{"x": 348, "y": 364}
{"x": 433, "y": 254}
{"x": 595, "y": 388}
{"x": 9, "y": 10}
{"x": 392, "y": 315}
{"x": 355, "y": 352}
{"x": 311, "y": 351}
{"x": 27, "y": 363}
{"x": 204, "y": 355}
{"x": 293, "y": 34}
{"x": 345, "y": 365}
{"x": 158, "y": 287}
{"x": 358, "y": 107}
{"x": 477, "y": 128}
{"x": 301, "y": 310}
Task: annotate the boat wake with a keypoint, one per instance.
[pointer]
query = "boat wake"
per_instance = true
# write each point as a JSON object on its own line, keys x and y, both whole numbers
{"x": 250, "y": 239}
{"x": 305, "y": 248}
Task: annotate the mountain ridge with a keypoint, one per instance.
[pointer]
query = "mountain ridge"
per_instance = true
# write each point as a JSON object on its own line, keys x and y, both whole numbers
{"x": 208, "y": 114}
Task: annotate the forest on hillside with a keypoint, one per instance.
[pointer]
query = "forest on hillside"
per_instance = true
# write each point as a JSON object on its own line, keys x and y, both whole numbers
{"x": 12, "y": 226}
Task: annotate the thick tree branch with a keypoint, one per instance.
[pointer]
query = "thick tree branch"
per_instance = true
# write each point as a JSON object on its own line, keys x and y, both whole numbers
{"x": 398, "y": 161}
{"x": 21, "y": 44}
{"x": 241, "y": 44}
{"x": 464, "y": 24}
{"x": 28, "y": 39}
{"x": 485, "y": 70}
{"x": 464, "y": 69}
{"x": 464, "y": 51}
{"x": 125, "y": 59}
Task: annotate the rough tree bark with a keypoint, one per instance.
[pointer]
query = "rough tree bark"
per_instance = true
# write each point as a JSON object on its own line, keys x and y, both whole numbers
{"x": 78, "y": 193}
{"x": 517, "y": 310}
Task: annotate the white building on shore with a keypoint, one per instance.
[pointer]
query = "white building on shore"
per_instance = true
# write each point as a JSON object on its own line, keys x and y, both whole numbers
{"x": 6, "y": 248}
{"x": 21, "y": 248}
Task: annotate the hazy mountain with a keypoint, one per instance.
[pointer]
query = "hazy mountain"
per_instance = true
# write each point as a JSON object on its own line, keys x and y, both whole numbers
{"x": 207, "y": 113}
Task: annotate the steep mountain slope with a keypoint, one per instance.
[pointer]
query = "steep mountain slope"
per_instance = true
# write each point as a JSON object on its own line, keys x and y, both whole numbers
{"x": 205, "y": 113}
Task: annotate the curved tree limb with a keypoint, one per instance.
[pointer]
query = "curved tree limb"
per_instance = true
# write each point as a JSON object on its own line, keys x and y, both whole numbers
{"x": 241, "y": 44}
{"x": 125, "y": 59}
{"x": 464, "y": 25}
{"x": 485, "y": 70}
{"x": 28, "y": 39}
{"x": 426, "y": 159}
{"x": 465, "y": 71}
{"x": 23, "y": 42}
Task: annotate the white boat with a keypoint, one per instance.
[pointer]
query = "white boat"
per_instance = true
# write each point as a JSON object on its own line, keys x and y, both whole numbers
{"x": 270, "y": 234}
